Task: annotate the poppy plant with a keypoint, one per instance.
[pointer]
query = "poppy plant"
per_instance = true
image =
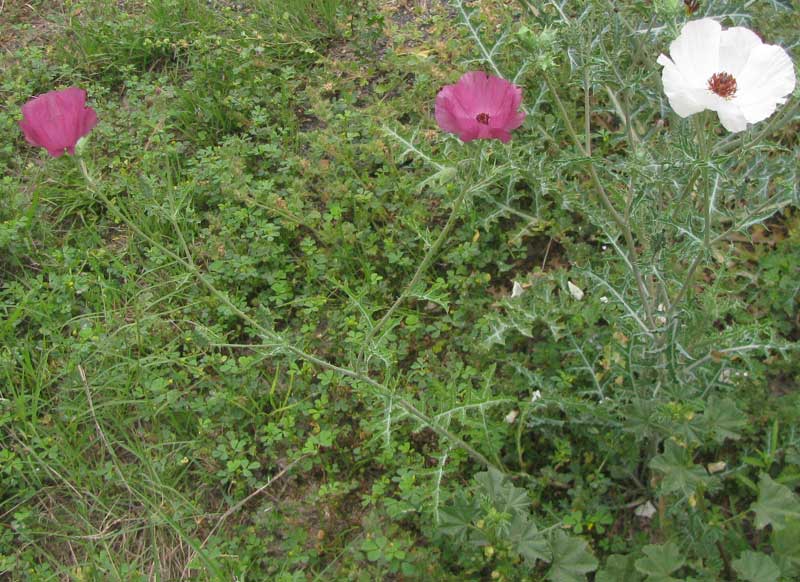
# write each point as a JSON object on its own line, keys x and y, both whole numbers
{"x": 728, "y": 71}
{"x": 480, "y": 106}
{"x": 57, "y": 120}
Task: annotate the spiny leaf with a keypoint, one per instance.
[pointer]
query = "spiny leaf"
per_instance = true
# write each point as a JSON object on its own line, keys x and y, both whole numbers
{"x": 572, "y": 559}
{"x": 435, "y": 294}
{"x": 756, "y": 567}
{"x": 775, "y": 505}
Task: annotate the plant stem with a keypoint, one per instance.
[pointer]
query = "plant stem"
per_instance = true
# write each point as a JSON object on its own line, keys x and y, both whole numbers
{"x": 276, "y": 339}
{"x": 704, "y": 157}
{"x": 587, "y": 112}
{"x": 423, "y": 266}
{"x": 622, "y": 223}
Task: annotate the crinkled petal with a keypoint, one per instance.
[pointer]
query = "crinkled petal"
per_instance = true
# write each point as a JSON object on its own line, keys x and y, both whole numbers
{"x": 58, "y": 152}
{"x": 449, "y": 113}
{"x": 735, "y": 46}
{"x": 57, "y": 120}
{"x": 764, "y": 74}
{"x": 30, "y": 132}
{"x": 505, "y": 111}
{"x": 483, "y": 93}
{"x": 678, "y": 89}
{"x": 696, "y": 50}
{"x": 731, "y": 117}
{"x": 88, "y": 121}
{"x": 472, "y": 92}
{"x": 459, "y": 106}
{"x": 501, "y": 134}
{"x": 470, "y": 131}
{"x": 514, "y": 121}
{"x": 764, "y": 82}
{"x": 484, "y": 131}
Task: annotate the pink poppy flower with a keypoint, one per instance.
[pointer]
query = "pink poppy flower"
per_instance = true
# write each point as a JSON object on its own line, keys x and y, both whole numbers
{"x": 57, "y": 120}
{"x": 480, "y": 106}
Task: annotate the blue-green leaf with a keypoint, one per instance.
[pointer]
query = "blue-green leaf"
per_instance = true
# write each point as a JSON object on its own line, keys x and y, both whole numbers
{"x": 572, "y": 559}
{"x": 756, "y": 567}
{"x": 659, "y": 562}
{"x": 527, "y": 540}
{"x": 680, "y": 473}
{"x": 618, "y": 568}
{"x": 775, "y": 505}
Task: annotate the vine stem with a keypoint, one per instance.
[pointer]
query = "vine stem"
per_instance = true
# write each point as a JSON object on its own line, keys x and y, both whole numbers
{"x": 433, "y": 251}
{"x": 618, "y": 218}
{"x": 275, "y": 338}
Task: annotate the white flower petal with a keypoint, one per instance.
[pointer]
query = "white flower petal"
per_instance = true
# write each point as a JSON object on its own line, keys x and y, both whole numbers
{"x": 696, "y": 50}
{"x": 707, "y": 99}
{"x": 764, "y": 82}
{"x": 645, "y": 510}
{"x": 764, "y": 74}
{"x": 675, "y": 88}
{"x": 516, "y": 290}
{"x": 575, "y": 291}
{"x": 735, "y": 46}
{"x": 732, "y": 117}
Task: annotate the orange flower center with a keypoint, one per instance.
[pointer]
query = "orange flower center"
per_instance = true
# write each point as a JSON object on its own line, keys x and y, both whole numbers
{"x": 723, "y": 84}
{"x": 482, "y": 118}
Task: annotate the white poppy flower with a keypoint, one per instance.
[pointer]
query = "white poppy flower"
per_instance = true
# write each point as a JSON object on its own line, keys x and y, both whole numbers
{"x": 728, "y": 71}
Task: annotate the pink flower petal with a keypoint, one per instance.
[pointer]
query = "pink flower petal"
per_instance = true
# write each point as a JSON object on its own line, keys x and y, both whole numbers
{"x": 479, "y": 106}
{"x": 57, "y": 120}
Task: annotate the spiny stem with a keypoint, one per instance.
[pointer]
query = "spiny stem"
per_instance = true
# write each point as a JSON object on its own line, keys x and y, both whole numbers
{"x": 622, "y": 223}
{"x": 433, "y": 251}
{"x": 704, "y": 157}
{"x": 270, "y": 335}
{"x": 587, "y": 112}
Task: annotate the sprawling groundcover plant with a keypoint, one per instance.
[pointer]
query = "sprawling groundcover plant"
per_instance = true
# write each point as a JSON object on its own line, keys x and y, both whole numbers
{"x": 648, "y": 374}
{"x": 621, "y": 420}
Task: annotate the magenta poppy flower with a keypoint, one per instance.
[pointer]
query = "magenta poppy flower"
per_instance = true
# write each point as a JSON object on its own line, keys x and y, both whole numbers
{"x": 57, "y": 120}
{"x": 480, "y": 106}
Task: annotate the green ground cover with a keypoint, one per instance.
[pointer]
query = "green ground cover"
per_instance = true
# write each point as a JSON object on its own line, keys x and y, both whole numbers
{"x": 195, "y": 378}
